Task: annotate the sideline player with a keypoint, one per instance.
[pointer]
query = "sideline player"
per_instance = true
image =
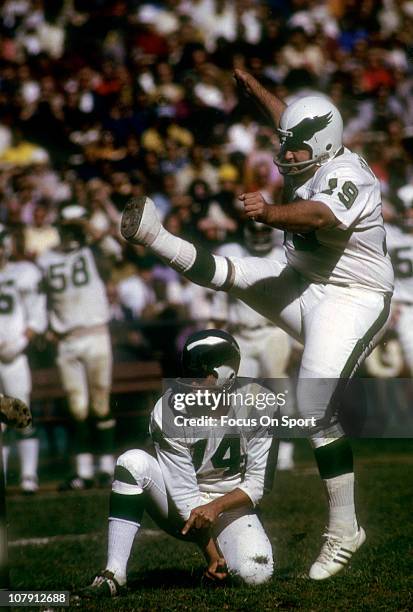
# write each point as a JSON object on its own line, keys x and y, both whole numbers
{"x": 22, "y": 316}
{"x": 334, "y": 293}
{"x": 400, "y": 245}
{"x": 265, "y": 348}
{"x": 78, "y": 317}
{"x": 202, "y": 489}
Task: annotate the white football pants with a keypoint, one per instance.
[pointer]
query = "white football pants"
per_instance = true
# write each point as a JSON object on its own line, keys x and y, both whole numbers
{"x": 15, "y": 379}
{"x": 85, "y": 365}
{"x": 338, "y": 326}
{"x": 239, "y": 534}
{"x": 404, "y": 328}
{"x": 265, "y": 352}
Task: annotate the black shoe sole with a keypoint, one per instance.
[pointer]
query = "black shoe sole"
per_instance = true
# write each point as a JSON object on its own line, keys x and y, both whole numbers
{"x": 131, "y": 217}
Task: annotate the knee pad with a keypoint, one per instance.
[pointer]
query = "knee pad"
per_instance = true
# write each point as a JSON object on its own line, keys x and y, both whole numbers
{"x": 132, "y": 471}
{"x": 127, "y": 501}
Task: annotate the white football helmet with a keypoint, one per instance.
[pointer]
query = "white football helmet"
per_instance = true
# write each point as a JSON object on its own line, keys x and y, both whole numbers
{"x": 311, "y": 122}
{"x": 70, "y": 226}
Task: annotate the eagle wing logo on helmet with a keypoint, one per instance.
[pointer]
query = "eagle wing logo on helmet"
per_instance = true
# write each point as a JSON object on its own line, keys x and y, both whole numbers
{"x": 305, "y": 130}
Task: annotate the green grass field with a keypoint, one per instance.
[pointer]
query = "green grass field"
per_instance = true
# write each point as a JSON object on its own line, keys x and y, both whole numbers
{"x": 58, "y": 542}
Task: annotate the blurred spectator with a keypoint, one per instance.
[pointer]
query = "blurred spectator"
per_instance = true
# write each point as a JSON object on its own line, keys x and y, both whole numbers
{"x": 20, "y": 152}
{"x": 136, "y": 293}
{"x": 223, "y": 212}
{"x": 197, "y": 168}
{"x": 241, "y": 135}
{"x": 41, "y": 235}
{"x": 262, "y": 180}
{"x": 128, "y": 342}
{"x": 300, "y": 53}
{"x": 99, "y": 104}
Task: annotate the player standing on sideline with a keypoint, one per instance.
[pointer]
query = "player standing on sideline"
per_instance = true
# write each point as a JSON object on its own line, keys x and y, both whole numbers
{"x": 265, "y": 348}
{"x": 334, "y": 293}
{"x": 203, "y": 490}
{"x": 78, "y": 317}
{"x": 400, "y": 245}
{"x": 22, "y": 316}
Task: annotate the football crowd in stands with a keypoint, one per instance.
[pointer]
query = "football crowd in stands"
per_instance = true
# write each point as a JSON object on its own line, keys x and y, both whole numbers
{"x": 103, "y": 100}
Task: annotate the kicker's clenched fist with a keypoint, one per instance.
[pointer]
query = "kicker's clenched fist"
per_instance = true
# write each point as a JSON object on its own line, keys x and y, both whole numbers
{"x": 255, "y": 207}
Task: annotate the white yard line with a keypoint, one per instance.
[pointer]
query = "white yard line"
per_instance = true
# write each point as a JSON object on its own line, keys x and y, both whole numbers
{"x": 76, "y": 537}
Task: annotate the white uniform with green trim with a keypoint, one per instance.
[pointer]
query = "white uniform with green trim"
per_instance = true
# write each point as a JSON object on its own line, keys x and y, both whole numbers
{"x": 334, "y": 293}
{"x": 400, "y": 245}
{"x": 77, "y": 296}
{"x": 190, "y": 471}
{"x": 213, "y": 464}
{"x": 22, "y": 306}
{"x": 353, "y": 254}
{"x": 79, "y": 312}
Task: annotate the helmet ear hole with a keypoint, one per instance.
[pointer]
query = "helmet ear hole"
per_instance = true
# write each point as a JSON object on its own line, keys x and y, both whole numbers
{"x": 328, "y": 147}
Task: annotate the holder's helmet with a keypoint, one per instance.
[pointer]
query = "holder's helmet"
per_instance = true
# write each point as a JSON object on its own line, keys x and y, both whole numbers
{"x": 312, "y": 123}
{"x": 212, "y": 351}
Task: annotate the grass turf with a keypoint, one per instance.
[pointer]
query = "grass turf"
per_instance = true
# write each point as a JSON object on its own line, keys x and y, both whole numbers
{"x": 165, "y": 574}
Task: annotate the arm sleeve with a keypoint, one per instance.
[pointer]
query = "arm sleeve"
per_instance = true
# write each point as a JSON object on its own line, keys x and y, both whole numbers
{"x": 175, "y": 461}
{"x": 346, "y": 195}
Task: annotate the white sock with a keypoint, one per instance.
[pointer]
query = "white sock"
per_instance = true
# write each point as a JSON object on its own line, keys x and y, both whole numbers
{"x": 107, "y": 464}
{"x": 179, "y": 253}
{"x": 340, "y": 492}
{"x": 28, "y": 449}
{"x": 285, "y": 452}
{"x": 120, "y": 540}
{"x": 6, "y": 453}
{"x": 84, "y": 465}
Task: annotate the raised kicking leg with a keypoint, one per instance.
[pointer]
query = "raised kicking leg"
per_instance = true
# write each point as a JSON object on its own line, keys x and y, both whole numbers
{"x": 264, "y": 284}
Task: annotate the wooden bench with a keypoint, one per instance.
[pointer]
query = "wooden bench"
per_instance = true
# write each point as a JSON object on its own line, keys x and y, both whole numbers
{"x": 128, "y": 378}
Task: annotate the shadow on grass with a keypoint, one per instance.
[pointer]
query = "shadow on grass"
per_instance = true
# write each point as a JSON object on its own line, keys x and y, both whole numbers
{"x": 172, "y": 578}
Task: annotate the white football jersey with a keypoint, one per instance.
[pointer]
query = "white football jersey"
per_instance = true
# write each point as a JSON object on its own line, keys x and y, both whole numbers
{"x": 400, "y": 246}
{"x": 353, "y": 253}
{"x": 216, "y": 464}
{"x": 76, "y": 293}
{"x": 225, "y": 307}
{"x": 22, "y": 306}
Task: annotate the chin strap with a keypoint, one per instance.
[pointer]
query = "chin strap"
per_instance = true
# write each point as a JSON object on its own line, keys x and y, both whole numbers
{"x": 303, "y": 166}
